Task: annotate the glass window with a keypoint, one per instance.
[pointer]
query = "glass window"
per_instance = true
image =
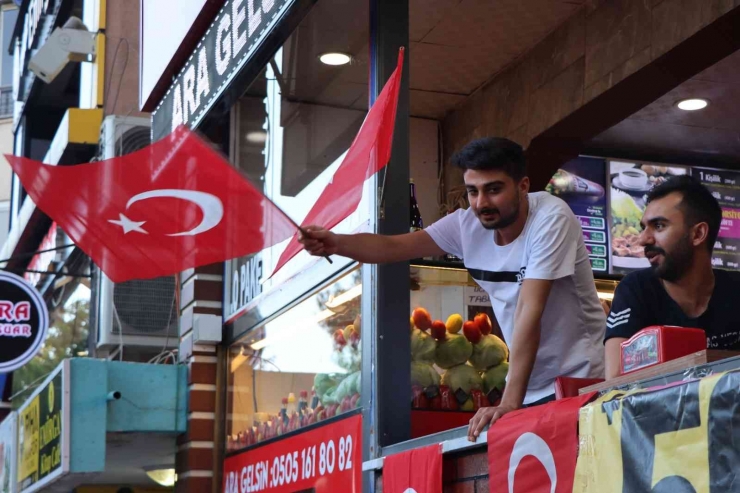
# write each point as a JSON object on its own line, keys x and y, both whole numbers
{"x": 9, "y": 17}
{"x": 299, "y": 369}
{"x": 459, "y": 359}
{"x": 293, "y": 126}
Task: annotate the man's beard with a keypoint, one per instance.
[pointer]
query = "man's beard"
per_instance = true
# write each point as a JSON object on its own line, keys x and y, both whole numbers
{"x": 502, "y": 221}
{"x": 676, "y": 264}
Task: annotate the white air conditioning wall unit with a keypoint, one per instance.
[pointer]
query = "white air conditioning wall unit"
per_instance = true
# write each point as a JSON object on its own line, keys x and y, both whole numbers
{"x": 140, "y": 313}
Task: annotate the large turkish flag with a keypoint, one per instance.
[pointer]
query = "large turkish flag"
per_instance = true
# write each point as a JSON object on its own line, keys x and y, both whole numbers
{"x": 171, "y": 206}
{"x": 416, "y": 471}
{"x": 535, "y": 450}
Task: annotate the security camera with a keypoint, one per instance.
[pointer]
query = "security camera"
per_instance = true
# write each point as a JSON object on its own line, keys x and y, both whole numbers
{"x": 69, "y": 43}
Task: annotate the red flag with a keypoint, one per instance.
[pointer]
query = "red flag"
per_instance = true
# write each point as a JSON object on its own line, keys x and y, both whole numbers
{"x": 174, "y": 205}
{"x": 368, "y": 154}
{"x": 418, "y": 470}
{"x": 535, "y": 450}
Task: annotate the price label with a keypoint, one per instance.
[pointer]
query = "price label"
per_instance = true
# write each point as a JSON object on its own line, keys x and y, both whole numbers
{"x": 591, "y": 222}
{"x": 594, "y": 236}
{"x": 327, "y": 458}
{"x": 596, "y": 250}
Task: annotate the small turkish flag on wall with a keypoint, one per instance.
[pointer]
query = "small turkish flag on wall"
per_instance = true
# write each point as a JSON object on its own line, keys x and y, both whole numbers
{"x": 175, "y": 205}
{"x": 535, "y": 450}
{"x": 415, "y": 471}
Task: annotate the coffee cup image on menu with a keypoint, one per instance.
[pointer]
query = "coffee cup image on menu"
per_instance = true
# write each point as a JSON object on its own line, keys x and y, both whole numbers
{"x": 634, "y": 178}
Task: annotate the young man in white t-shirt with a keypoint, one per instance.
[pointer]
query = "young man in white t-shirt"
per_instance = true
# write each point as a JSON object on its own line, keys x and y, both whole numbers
{"x": 527, "y": 251}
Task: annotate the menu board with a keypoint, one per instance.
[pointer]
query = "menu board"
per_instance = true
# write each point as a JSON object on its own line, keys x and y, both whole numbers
{"x": 581, "y": 184}
{"x": 725, "y": 186}
{"x": 630, "y": 182}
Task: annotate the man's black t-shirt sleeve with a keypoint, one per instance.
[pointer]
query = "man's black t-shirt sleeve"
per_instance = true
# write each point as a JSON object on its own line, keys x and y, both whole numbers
{"x": 627, "y": 315}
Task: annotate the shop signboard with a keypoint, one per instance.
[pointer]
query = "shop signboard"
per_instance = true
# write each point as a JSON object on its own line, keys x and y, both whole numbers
{"x": 581, "y": 183}
{"x": 245, "y": 282}
{"x": 325, "y": 459}
{"x": 8, "y": 437}
{"x": 229, "y": 43}
{"x": 630, "y": 182}
{"x": 43, "y": 433}
{"x": 24, "y": 321}
{"x": 725, "y": 186}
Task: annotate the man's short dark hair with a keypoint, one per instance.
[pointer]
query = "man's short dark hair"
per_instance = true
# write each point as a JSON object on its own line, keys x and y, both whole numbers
{"x": 697, "y": 203}
{"x": 492, "y": 153}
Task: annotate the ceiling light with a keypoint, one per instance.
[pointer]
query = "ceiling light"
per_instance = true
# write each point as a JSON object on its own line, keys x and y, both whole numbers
{"x": 692, "y": 104}
{"x": 164, "y": 476}
{"x": 258, "y": 137}
{"x": 335, "y": 58}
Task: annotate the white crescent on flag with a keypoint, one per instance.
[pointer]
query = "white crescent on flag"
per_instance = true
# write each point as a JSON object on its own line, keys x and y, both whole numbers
{"x": 532, "y": 444}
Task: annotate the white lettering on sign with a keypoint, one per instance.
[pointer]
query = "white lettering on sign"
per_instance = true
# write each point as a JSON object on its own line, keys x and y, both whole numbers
{"x": 203, "y": 83}
{"x": 255, "y": 17}
{"x": 223, "y": 45}
{"x": 13, "y": 330}
{"x": 189, "y": 107}
{"x": 245, "y": 283}
{"x": 287, "y": 469}
{"x": 238, "y": 14}
{"x": 238, "y": 25}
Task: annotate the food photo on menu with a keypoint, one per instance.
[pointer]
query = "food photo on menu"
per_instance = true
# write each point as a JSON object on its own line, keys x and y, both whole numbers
{"x": 581, "y": 183}
{"x": 630, "y": 184}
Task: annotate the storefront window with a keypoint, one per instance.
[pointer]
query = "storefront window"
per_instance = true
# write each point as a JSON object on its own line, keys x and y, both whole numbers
{"x": 301, "y": 368}
{"x": 292, "y": 128}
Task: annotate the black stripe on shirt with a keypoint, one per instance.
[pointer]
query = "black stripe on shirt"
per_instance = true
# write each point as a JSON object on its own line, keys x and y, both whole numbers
{"x": 489, "y": 276}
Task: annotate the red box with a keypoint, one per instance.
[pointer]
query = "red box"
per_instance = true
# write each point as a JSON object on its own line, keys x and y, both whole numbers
{"x": 658, "y": 344}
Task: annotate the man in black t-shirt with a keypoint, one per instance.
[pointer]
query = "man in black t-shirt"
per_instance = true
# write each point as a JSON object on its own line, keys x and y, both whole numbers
{"x": 680, "y": 226}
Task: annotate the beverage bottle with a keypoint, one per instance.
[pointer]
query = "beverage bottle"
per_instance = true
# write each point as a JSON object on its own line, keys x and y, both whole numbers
{"x": 416, "y": 222}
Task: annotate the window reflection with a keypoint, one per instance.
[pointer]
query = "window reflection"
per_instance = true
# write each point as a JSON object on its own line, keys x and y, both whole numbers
{"x": 299, "y": 369}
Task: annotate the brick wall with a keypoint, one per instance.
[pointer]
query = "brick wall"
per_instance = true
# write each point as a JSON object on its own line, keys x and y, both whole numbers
{"x": 588, "y": 56}
{"x": 199, "y": 449}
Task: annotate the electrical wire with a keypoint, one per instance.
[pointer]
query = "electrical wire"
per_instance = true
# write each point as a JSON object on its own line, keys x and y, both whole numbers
{"x": 106, "y": 95}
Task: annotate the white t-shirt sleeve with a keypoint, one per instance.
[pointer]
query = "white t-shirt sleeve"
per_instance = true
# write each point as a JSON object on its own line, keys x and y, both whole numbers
{"x": 553, "y": 248}
{"x": 447, "y": 233}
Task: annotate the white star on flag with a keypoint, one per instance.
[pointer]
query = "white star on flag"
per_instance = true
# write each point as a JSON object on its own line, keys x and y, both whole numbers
{"x": 128, "y": 225}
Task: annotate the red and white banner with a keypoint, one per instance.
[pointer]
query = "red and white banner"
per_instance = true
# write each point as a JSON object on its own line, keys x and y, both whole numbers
{"x": 327, "y": 459}
{"x": 535, "y": 449}
{"x": 415, "y": 471}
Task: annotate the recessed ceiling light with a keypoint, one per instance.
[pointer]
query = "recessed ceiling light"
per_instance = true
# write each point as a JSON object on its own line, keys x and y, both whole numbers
{"x": 257, "y": 137}
{"x": 335, "y": 58}
{"x": 692, "y": 104}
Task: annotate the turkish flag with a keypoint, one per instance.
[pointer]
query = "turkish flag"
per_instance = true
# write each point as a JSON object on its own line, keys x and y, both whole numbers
{"x": 368, "y": 154}
{"x": 416, "y": 471}
{"x": 534, "y": 450}
{"x": 174, "y": 205}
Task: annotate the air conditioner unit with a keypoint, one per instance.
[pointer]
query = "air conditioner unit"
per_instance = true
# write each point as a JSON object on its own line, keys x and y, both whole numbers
{"x": 139, "y": 313}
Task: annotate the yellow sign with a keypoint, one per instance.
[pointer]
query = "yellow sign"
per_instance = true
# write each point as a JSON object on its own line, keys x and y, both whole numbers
{"x": 28, "y": 436}
{"x": 670, "y": 439}
{"x": 40, "y": 435}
